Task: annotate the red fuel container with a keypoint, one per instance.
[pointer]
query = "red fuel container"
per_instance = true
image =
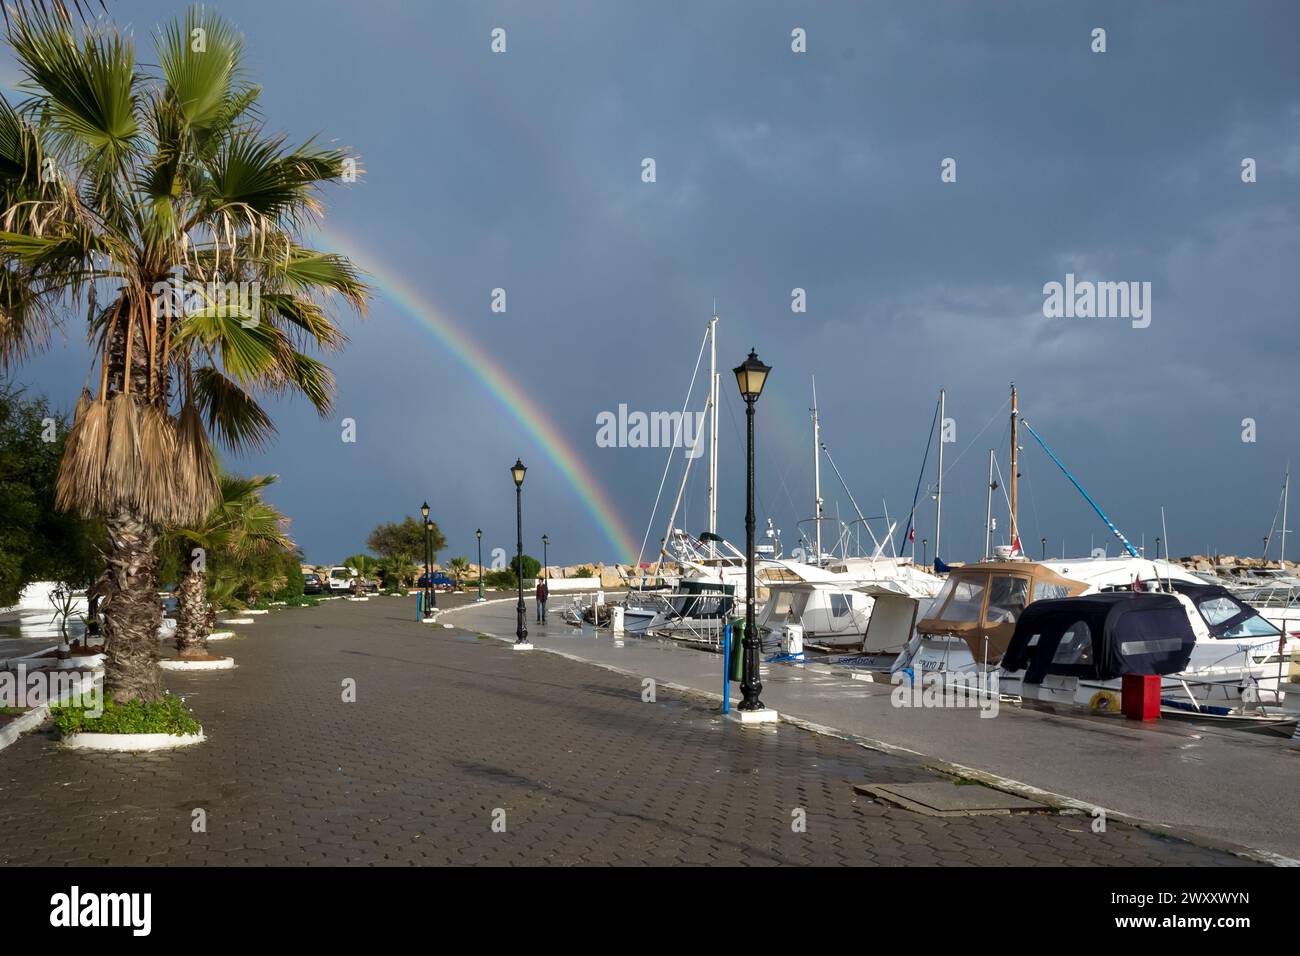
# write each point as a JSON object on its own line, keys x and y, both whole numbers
{"x": 1140, "y": 696}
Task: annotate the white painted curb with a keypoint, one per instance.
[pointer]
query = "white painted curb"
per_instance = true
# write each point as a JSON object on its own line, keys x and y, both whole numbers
{"x": 131, "y": 742}
{"x": 21, "y": 725}
{"x": 220, "y": 635}
{"x": 236, "y": 620}
{"x": 255, "y": 611}
{"x": 182, "y": 664}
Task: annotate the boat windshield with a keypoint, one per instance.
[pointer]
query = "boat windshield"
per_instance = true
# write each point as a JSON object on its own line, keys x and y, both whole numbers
{"x": 1229, "y": 619}
{"x": 962, "y": 597}
{"x": 1008, "y": 595}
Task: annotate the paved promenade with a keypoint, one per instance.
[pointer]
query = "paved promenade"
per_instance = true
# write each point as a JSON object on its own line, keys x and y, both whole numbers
{"x": 1229, "y": 785}
{"x": 450, "y": 733}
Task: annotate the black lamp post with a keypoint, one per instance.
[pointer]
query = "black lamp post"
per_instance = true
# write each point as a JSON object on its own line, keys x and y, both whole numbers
{"x": 1044, "y": 549}
{"x": 925, "y": 547}
{"x": 751, "y": 375}
{"x": 478, "y": 533}
{"x": 1157, "y": 549}
{"x": 546, "y": 560}
{"x": 517, "y": 471}
{"x": 428, "y": 547}
{"x": 428, "y": 571}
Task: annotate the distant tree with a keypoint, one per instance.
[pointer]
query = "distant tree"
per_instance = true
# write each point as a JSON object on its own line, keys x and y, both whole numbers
{"x": 532, "y": 567}
{"x": 459, "y": 567}
{"x": 584, "y": 572}
{"x": 365, "y": 566}
{"x": 398, "y": 572}
{"x": 38, "y": 543}
{"x": 403, "y": 541}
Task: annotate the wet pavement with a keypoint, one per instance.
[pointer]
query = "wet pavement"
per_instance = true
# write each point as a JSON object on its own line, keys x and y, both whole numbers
{"x": 458, "y": 750}
{"x": 1228, "y": 785}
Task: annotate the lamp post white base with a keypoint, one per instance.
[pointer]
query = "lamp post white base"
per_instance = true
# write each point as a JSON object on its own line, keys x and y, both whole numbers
{"x": 764, "y": 716}
{"x": 429, "y": 620}
{"x": 521, "y": 647}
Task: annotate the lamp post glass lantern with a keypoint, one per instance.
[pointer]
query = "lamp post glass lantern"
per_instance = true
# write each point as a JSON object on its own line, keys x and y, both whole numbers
{"x": 751, "y": 376}
{"x": 478, "y": 534}
{"x": 517, "y": 472}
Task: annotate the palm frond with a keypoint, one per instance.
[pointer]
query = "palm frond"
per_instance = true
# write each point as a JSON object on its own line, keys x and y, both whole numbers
{"x": 232, "y": 414}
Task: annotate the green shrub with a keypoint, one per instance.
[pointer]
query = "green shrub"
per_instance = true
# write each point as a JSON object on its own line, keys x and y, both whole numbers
{"x": 501, "y": 579}
{"x": 302, "y": 600}
{"x": 294, "y": 583}
{"x": 167, "y": 716}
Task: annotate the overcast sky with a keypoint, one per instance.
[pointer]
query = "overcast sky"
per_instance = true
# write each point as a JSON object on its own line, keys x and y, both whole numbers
{"x": 778, "y": 170}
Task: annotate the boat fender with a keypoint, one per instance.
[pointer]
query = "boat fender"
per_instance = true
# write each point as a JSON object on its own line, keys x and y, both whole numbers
{"x": 1104, "y": 702}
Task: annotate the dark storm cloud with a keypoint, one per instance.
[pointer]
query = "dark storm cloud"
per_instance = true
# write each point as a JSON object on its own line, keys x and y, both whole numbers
{"x": 820, "y": 171}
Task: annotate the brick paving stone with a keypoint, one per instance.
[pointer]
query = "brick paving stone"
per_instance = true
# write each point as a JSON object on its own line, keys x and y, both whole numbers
{"x": 448, "y": 729}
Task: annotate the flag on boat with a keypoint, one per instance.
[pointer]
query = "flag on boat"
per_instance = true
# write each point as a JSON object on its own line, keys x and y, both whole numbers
{"x": 1015, "y": 547}
{"x": 911, "y": 535}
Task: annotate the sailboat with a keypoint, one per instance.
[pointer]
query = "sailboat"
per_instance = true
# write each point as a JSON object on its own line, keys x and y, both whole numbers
{"x": 827, "y": 601}
{"x": 712, "y": 571}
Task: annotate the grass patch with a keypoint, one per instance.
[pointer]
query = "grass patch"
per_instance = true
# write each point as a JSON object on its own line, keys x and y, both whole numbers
{"x": 301, "y": 600}
{"x": 167, "y": 716}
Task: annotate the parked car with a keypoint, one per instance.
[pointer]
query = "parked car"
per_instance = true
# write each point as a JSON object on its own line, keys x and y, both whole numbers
{"x": 340, "y": 579}
{"x": 312, "y": 584}
{"x": 438, "y": 581}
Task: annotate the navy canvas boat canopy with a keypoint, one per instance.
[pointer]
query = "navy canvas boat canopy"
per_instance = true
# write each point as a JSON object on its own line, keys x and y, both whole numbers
{"x": 1101, "y": 637}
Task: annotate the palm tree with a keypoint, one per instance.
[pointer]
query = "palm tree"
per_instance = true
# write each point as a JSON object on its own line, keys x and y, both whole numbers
{"x": 459, "y": 567}
{"x": 365, "y": 566}
{"x": 116, "y": 183}
{"x": 397, "y": 571}
{"x": 238, "y": 527}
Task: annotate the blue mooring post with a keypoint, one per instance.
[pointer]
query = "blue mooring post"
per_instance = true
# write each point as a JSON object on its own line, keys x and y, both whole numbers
{"x": 726, "y": 669}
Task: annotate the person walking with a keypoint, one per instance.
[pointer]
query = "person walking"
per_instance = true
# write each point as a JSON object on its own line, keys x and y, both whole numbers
{"x": 542, "y": 593}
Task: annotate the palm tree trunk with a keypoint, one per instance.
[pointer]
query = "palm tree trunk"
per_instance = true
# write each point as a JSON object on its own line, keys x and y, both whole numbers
{"x": 131, "y": 609}
{"x": 191, "y": 612}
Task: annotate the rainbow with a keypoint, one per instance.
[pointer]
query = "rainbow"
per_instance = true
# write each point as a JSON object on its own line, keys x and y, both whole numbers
{"x": 522, "y": 407}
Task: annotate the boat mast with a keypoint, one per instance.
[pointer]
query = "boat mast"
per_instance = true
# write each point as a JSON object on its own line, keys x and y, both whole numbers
{"x": 938, "y": 491}
{"x": 988, "y": 511}
{"x": 817, "y": 474}
{"x": 713, "y": 428}
{"x": 1015, "y": 463}
{"x": 1286, "y": 488}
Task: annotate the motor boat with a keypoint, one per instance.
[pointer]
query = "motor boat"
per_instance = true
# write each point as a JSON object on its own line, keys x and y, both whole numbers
{"x": 1235, "y": 667}
{"x": 832, "y": 606}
